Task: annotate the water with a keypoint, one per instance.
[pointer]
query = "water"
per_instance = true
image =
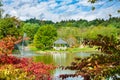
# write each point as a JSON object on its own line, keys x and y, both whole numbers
{"x": 56, "y": 58}
{"x": 62, "y": 59}
{"x": 26, "y": 53}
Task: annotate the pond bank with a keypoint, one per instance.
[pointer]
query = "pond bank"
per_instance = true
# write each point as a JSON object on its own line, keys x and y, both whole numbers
{"x": 69, "y": 50}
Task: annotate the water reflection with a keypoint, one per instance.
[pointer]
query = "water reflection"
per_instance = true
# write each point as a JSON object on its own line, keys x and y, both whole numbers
{"x": 46, "y": 58}
{"x": 63, "y": 59}
{"x": 59, "y": 58}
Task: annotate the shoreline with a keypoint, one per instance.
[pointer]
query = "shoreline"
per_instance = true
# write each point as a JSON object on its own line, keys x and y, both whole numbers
{"x": 69, "y": 50}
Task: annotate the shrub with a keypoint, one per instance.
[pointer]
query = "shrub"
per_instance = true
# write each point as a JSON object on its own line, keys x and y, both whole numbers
{"x": 7, "y": 44}
{"x": 9, "y": 72}
{"x": 24, "y": 66}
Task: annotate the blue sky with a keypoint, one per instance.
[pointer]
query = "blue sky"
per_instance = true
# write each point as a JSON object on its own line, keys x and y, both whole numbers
{"x": 57, "y": 10}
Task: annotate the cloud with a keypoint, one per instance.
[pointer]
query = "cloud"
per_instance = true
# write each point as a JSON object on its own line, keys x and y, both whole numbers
{"x": 57, "y": 10}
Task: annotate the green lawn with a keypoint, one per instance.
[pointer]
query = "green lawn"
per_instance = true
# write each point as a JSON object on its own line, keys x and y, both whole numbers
{"x": 85, "y": 49}
{"x": 71, "y": 50}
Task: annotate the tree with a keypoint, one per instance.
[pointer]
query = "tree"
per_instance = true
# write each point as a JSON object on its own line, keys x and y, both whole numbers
{"x": 37, "y": 21}
{"x": 92, "y": 32}
{"x": 30, "y": 30}
{"x": 9, "y": 26}
{"x": 70, "y": 34}
{"x": 98, "y": 66}
{"x": 45, "y": 36}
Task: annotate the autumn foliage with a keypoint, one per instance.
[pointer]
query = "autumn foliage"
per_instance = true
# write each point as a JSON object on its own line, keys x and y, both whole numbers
{"x": 108, "y": 45}
{"x": 39, "y": 70}
{"x": 98, "y": 66}
{"x": 7, "y": 44}
{"x": 12, "y": 68}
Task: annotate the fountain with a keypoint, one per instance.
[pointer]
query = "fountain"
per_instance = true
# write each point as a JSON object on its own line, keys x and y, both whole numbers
{"x": 23, "y": 50}
{"x": 23, "y": 44}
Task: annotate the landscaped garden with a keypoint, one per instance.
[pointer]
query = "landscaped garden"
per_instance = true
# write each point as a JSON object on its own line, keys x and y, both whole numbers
{"x": 67, "y": 50}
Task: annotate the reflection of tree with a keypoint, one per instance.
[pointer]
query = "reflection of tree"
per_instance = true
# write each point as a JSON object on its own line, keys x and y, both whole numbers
{"x": 46, "y": 58}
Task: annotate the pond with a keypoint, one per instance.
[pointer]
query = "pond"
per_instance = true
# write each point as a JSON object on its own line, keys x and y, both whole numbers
{"x": 56, "y": 58}
{"x": 62, "y": 59}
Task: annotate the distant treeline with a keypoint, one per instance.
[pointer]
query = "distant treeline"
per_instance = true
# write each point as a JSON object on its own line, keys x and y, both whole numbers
{"x": 114, "y": 21}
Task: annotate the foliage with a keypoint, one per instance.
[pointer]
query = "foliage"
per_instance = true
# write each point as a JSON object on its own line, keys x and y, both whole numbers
{"x": 72, "y": 23}
{"x": 36, "y": 21}
{"x": 75, "y": 36}
{"x": 7, "y": 44}
{"x": 81, "y": 29}
{"x": 9, "y": 26}
{"x": 24, "y": 67}
{"x": 71, "y": 35}
{"x": 109, "y": 45}
{"x": 113, "y": 22}
{"x": 9, "y": 72}
{"x": 85, "y": 24}
{"x": 45, "y": 37}
{"x": 5, "y": 59}
{"x": 98, "y": 66}
{"x": 92, "y": 32}
{"x": 95, "y": 67}
{"x": 30, "y": 30}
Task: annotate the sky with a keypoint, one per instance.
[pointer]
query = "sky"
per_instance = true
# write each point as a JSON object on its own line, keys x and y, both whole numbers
{"x": 57, "y": 10}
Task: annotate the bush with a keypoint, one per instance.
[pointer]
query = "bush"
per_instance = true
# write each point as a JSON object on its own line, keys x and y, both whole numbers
{"x": 7, "y": 44}
{"x": 24, "y": 66}
{"x": 9, "y": 72}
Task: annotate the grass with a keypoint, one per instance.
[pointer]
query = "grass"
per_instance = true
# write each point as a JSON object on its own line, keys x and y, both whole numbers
{"x": 33, "y": 48}
{"x": 85, "y": 49}
{"x": 69, "y": 50}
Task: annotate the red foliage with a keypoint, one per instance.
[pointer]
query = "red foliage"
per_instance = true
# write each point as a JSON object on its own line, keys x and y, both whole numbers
{"x": 4, "y": 59}
{"x": 7, "y": 44}
{"x": 39, "y": 69}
